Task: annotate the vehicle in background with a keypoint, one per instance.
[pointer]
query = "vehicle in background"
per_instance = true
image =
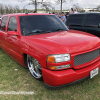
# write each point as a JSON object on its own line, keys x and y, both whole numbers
{"x": 43, "y": 44}
{"x": 87, "y": 22}
{"x": 0, "y": 17}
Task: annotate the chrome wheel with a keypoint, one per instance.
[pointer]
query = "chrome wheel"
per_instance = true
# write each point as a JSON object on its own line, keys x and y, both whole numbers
{"x": 34, "y": 67}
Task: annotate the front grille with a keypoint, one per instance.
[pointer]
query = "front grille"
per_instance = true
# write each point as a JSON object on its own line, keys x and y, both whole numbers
{"x": 86, "y": 57}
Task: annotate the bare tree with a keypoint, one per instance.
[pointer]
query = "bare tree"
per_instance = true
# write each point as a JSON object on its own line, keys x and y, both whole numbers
{"x": 53, "y": 9}
{"x": 6, "y": 9}
{"x": 46, "y": 5}
{"x": 24, "y": 10}
{"x": 77, "y": 7}
{"x": 33, "y": 2}
{"x": 2, "y": 9}
{"x": 17, "y": 9}
{"x": 10, "y": 9}
{"x": 60, "y": 2}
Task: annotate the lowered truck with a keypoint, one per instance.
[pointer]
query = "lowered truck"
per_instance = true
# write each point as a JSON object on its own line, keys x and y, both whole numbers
{"x": 43, "y": 44}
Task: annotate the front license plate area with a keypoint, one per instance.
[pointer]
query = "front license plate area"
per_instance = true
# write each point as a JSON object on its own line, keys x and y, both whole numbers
{"x": 94, "y": 72}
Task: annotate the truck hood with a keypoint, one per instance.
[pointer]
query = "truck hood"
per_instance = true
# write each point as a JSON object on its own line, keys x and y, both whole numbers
{"x": 65, "y": 41}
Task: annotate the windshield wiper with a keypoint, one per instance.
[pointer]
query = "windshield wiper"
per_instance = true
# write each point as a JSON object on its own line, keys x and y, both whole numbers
{"x": 36, "y": 32}
{"x": 59, "y": 29}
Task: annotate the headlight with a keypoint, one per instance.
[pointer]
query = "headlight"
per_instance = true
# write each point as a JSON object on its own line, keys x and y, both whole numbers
{"x": 58, "y": 58}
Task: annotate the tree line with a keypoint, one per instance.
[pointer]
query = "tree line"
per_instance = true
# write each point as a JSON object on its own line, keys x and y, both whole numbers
{"x": 8, "y": 9}
{"x": 46, "y": 4}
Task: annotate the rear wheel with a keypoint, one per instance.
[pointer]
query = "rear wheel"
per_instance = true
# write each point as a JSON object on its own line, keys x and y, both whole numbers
{"x": 34, "y": 67}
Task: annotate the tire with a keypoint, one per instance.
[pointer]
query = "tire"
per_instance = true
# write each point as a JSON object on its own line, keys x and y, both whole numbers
{"x": 34, "y": 67}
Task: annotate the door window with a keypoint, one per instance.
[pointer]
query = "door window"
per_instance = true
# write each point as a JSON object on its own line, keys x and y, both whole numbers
{"x": 75, "y": 20}
{"x": 12, "y": 24}
{"x": 3, "y": 23}
{"x": 92, "y": 20}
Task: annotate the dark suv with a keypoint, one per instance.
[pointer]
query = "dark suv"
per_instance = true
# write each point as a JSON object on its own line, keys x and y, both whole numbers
{"x": 87, "y": 22}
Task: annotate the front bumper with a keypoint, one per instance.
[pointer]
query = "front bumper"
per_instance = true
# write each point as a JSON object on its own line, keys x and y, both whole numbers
{"x": 63, "y": 77}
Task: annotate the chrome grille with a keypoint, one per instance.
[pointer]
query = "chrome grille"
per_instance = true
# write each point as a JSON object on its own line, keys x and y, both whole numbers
{"x": 86, "y": 57}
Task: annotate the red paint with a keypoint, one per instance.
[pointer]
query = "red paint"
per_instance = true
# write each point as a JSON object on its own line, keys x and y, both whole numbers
{"x": 40, "y": 46}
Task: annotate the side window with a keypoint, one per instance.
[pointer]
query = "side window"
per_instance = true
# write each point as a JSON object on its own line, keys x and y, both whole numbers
{"x": 92, "y": 20}
{"x": 12, "y": 26}
{"x": 3, "y": 23}
{"x": 75, "y": 20}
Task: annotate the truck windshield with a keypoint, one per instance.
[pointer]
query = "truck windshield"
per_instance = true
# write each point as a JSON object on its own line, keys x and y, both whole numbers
{"x": 40, "y": 24}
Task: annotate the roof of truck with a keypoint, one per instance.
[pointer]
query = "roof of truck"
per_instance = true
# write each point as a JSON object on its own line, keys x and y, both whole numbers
{"x": 25, "y": 14}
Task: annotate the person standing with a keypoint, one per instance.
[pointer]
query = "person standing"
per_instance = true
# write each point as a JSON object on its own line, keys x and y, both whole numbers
{"x": 67, "y": 14}
{"x": 35, "y": 11}
{"x": 72, "y": 11}
{"x": 63, "y": 18}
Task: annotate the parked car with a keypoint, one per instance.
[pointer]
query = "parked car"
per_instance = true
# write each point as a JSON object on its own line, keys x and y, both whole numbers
{"x": 0, "y": 17}
{"x": 43, "y": 44}
{"x": 87, "y": 22}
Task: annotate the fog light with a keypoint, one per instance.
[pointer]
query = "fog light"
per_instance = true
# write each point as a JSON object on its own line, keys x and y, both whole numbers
{"x": 60, "y": 67}
{"x": 52, "y": 67}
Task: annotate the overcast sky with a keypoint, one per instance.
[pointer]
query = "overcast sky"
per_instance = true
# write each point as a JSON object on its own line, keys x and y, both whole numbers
{"x": 66, "y": 5}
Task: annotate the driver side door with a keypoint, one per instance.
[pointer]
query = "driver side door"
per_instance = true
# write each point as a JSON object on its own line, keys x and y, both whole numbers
{"x": 13, "y": 41}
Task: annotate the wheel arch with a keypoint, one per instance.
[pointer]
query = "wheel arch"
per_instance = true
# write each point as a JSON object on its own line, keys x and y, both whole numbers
{"x": 37, "y": 57}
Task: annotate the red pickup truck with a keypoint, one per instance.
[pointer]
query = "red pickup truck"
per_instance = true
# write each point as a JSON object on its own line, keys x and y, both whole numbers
{"x": 43, "y": 44}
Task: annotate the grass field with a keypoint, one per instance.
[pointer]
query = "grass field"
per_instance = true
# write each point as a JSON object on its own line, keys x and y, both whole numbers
{"x": 22, "y": 80}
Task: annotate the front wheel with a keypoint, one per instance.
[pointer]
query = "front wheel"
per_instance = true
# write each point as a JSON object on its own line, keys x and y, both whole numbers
{"x": 34, "y": 67}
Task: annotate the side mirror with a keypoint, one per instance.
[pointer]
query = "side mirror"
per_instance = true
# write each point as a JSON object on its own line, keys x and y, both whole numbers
{"x": 99, "y": 25}
{"x": 14, "y": 33}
